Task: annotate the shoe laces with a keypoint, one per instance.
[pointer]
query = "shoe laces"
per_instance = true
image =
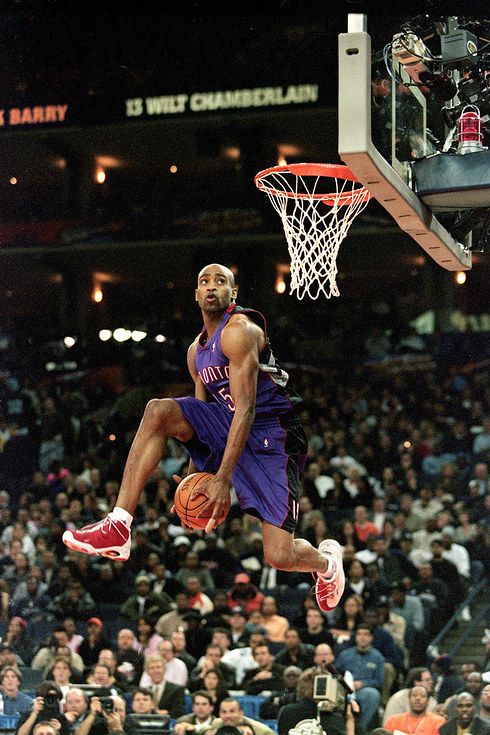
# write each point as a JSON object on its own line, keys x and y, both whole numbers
{"x": 322, "y": 589}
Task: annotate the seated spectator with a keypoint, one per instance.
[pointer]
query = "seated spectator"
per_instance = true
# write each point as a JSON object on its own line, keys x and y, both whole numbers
{"x": 211, "y": 660}
{"x": 197, "y": 637}
{"x": 417, "y": 717}
{"x": 398, "y": 702}
{"x": 266, "y": 675}
{"x": 214, "y": 684}
{"x": 107, "y": 658}
{"x": 46, "y": 708}
{"x": 193, "y": 568}
{"x": 363, "y": 527}
{"x": 18, "y": 640}
{"x": 74, "y": 638}
{"x": 147, "y": 638}
{"x": 367, "y": 666}
{"x": 316, "y": 630}
{"x": 286, "y": 695}
{"x": 101, "y": 676}
{"x": 323, "y": 657}
{"x": 466, "y": 719}
{"x": 151, "y": 605}
{"x": 219, "y": 617}
{"x": 129, "y": 662}
{"x": 241, "y": 660}
{"x": 346, "y": 618}
{"x": 484, "y": 712}
{"x": 175, "y": 669}
{"x": 201, "y": 718}
{"x": 295, "y": 653}
{"x": 473, "y": 684}
{"x": 76, "y": 707}
{"x": 245, "y": 594}
{"x": 275, "y": 625}
{"x": 62, "y": 675}
{"x": 198, "y": 600}
{"x": 173, "y": 620}
{"x": 448, "y": 682}
{"x": 32, "y": 606}
{"x": 15, "y": 702}
{"x": 44, "y": 658}
{"x": 142, "y": 702}
{"x": 179, "y": 642}
{"x": 100, "y": 722}
{"x": 238, "y": 627}
{"x": 75, "y": 603}
{"x": 94, "y": 642}
{"x": 168, "y": 698}
{"x": 231, "y": 714}
{"x": 390, "y": 621}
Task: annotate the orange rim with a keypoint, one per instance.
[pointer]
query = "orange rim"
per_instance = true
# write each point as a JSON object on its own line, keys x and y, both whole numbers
{"x": 324, "y": 170}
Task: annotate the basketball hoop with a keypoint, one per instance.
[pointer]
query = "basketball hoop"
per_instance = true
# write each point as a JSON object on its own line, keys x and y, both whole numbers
{"x": 315, "y": 222}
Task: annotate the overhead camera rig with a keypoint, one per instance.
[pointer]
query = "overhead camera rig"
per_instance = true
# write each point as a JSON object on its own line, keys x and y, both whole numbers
{"x": 448, "y": 61}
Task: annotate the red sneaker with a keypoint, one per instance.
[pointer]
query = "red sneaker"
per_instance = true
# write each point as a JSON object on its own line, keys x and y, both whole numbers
{"x": 109, "y": 537}
{"x": 330, "y": 585}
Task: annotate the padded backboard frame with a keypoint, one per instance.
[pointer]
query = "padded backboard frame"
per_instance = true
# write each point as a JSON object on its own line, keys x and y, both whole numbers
{"x": 358, "y": 152}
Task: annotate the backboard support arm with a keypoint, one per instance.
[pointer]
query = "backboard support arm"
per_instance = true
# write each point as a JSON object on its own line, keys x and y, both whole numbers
{"x": 357, "y": 151}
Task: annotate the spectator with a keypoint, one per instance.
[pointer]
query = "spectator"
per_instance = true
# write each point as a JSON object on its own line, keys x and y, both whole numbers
{"x": 15, "y": 702}
{"x": 484, "y": 713}
{"x": 145, "y": 603}
{"x": 62, "y": 674}
{"x": 198, "y": 600}
{"x": 241, "y": 660}
{"x": 215, "y": 686}
{"x": 142, "y": 702}
{"x": 466, "y": 719}
{"x": 173, "y": 620}
{"x": 295, "y": 652}
{"x": 75, "y": 603}
{"x": 275, "y": 625}
{"x": 347, "y": 618}
{"x": 168, "y": 698}
{"x": 147, "y": 638}
{"x": 323, "y": 657}
{"x": 286, "y": 695}
{"x": 245, "y": 594}
{"x": 266, "y": 675}
{"x": 417, "y": 718}
{"x": 18, "y": 640}
{"x": 447, "y": 680}
{"x": 238, "y": 626}
{"x": 211, "y": 660}
{"x": 101, "y": 676}
{"x": 316, "y": 630}
{"x": 367, "y": 667}
{"x": 100, "y": 722}
{"x": 220, "y": 615}
{"x": 46, "y": 708}
{"x": 76, "y": 707}
{"x": 197, "y": 636}
{"x": 179, "y": 643}
{"x": 395, "y": 624}
{"x": 94, "y": 642}
{"x": 175, "y": 669}
{"x": 44, "y": 658}
{"x": 108, "y": 659}
{"x": 193, "y": 568}
{"x": 409, "y": 607}
{"x": 74, "y": 638}
{"x": 231, "y": 714}
{"x": 129, "y": 662}
{"x": 398, "y": 702}
{"x": 201, "y": 718}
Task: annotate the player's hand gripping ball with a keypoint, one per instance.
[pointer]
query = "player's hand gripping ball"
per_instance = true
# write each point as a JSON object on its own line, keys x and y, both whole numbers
{"x": 187, "y": 507}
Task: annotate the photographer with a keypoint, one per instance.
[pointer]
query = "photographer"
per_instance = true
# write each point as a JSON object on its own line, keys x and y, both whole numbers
{"x": 306, "y": 707}
{"x": 46, "y": 708}
{"x": 106, "y": 716}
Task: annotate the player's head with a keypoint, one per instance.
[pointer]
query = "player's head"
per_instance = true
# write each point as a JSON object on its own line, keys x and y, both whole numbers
{"x": 216, "y": 288}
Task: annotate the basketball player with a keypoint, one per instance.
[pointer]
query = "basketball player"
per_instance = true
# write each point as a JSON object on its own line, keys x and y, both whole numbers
{"x": 239, "y": 426}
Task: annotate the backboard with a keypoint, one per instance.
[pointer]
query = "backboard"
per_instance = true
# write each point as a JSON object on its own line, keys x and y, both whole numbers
{"x": 389, "y": 134}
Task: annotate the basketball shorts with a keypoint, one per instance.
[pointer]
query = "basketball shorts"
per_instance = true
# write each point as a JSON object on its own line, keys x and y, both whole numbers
{"x": 266, "y": 476}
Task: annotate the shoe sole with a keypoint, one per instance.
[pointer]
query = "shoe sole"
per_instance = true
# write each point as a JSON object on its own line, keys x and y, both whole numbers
{"x": 111, "y": 552}
{"x": 337, "y": 554}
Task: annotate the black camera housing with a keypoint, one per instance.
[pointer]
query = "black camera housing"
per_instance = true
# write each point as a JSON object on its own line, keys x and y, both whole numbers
{"x": 107, "y": 704}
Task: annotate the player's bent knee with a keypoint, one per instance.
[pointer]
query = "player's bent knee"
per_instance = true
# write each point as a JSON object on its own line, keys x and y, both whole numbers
{"x": 159, "y": 411}
{"x": 280, "y": 558}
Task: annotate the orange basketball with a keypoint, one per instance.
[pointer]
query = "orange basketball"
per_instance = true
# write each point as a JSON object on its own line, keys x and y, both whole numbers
{"x": 186, "y": 507}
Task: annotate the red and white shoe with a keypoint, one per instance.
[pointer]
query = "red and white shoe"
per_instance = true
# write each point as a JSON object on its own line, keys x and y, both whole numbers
{"x": 330, "y": 585}
{"x": 109, "y": 537}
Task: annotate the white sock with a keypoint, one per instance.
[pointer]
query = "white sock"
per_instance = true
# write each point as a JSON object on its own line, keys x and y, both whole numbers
{"x": 122, "y": 515}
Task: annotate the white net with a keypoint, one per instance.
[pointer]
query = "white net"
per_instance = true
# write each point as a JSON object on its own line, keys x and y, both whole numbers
{"x": 314, "y": 223}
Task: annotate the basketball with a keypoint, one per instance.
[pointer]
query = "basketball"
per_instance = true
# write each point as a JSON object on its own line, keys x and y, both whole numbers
{"x": 186, "y": 507}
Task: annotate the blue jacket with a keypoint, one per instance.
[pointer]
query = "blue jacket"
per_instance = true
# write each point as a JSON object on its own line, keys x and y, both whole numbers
{"x": 366, "y": 667}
